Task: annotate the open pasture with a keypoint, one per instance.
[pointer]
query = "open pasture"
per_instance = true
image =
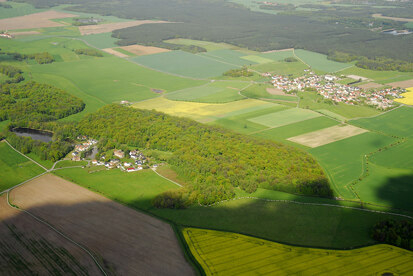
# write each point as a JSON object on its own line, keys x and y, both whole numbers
{"x": 15, "y": 168}
{"x": 101, "y": 41}
{"x": 185, "y": 64}
{"x": 128, "y": 241}
{"x": 286, "y": 117}
{"x": 278, "y": 55}
{"x": 320, "y": 62}
{"x": 327, "y": 135}
{"x": 18, "y": 9}
{"x": 381, "y": 77}
{"x": 257, "y": 59}
{"x": 224, "y": 253}
{"x": 110, "y": 27}
{"x": 96, "y": 77}
{"x": 33, "y": 21}
{"x": 203, "y": 112}
{"x": 214, "y": 92}
{"x": 295, "y": 69}
{"x": 228, "y": 56}
{"x": 141, "y": 50}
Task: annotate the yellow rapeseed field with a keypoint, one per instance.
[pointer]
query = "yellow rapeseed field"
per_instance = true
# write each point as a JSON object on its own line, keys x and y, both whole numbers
{"x": 223, "y": 253}
{"x": 407, "y": 97}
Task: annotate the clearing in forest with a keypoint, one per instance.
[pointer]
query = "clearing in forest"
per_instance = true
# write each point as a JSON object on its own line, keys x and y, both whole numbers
{"x": 224, "y": 253}
{"x": 130, "y": 242}
{"x": 285, "y": 117}
{"x": 141, "y": 50}
{"x": 327, "y": 135}
{"x": 110, "y": 27}
{"x": 33, "y": 21}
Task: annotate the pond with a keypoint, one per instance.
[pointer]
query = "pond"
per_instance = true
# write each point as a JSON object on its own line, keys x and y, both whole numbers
{"x": 35, "y": 134}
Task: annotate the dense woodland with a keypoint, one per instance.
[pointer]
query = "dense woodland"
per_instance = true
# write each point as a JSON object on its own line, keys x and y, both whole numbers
{"x": 41, "y": 58}
{"x": 213, "y": 160}
{"x": 88, "y": 52}
{"x": 241, "y": 72}
{"x": 14, "y": 73}
{"x": 398, "y": 233}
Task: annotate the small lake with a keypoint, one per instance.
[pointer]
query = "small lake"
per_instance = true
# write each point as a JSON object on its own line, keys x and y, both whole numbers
{"x": 35, "y": 134}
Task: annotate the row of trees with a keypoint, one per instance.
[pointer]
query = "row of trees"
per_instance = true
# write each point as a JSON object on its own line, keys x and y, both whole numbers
{"x": 212, "y": 160}
{"x": 14, "y": 73}
{"x": 241, "y": 72}
{"x": 398, "y": 233}
{"x": 41, "y": 58}
{"x": 88, "y": 52}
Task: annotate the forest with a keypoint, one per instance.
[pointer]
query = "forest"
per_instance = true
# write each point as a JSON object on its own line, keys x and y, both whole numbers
{"x": 213, "y": 160}
{"x": 41, "y": 58}
{"x": 398, "y": 233}
{"x": 88, "y": 52}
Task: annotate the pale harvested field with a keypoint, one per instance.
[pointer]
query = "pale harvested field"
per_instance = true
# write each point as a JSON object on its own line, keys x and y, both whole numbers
{"x": 276, "y": 91}
{"x": 370, "y": 85}
{"x": 36, "y": 235}
{"x": 107, "y": 28}
{"x": 141, "y": 50}
{"x": 402, "y": 84}
{"x": 355, "y": 77}
{"x": 326, "y": 136}
{"x": 115, "y": 53}
{"x": 130, "y": 242}
{"x": 378, "y": 15}
{"x": 275, "y": 51}
{"x": 25, "y": 33}
{"x": 33, "y": 21}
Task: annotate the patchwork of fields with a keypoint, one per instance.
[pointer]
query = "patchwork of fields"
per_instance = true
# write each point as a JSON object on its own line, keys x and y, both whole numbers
{"x": 223, "y": 253}
{"x": 286, "y": 117}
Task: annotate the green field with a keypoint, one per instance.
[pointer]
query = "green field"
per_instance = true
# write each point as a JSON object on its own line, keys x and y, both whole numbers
{"x": 209, "y": 46}
{"x": 231, "y": 57}
{"x": 69, "y": 163}
{"x": 15, "y": 168}
{"x": 214, "y": 92}
{"x": 278, "y": 56}
{"x": 382, "y": 77}
{"x": 344, "y": 160}
{"x": 259, "y": 91}
{"x": 224, "y": 253}
{"x": 320, "y": 62}
{"x": 257, "y": 59}
{"x": 308, "y": 225}
{"x": 101, "y": 41}
{"x": 312, "y": 100}
{"x": 185, "y": 64}
{"x": 295, "y": 69}
{"x": 18, "y": 9}
{"x": 285, "y": 117}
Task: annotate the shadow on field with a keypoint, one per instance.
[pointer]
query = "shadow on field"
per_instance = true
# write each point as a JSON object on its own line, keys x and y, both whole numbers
{"x": 398, "y": 192}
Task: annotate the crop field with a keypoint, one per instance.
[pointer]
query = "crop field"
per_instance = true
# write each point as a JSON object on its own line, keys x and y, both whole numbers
{"x": 28, "y": 247}
{"x": 141, "y": 50}
{"x": 344, "y": 160}
{"x": 382, "y": 77}
{"x": 115, "y": 53}
{"x": 110, "y": 27}
{"x": 214, "y": 92}
{"x": 231, "y": 57}
{"x": 33, "y": 21}
{"x": 295, "y": 69}
{"x": 331, "y": 114}
{"x": 320, "y": 62}
{"x": 128, "y": 82}
{"x": 18, "y": 9}
{"x": 327, "y": 135}
{"x": 407, "y": 97}
{"x": 203, "y": 112}
{"x": 209, "y": 46}
{"x": 281, "y": 134}
{"x": 264, "y": 91}
{"x": 304, "y": 225}
{"x": 15, "y": 168}
{"x": 278, "y": 55}
{"x": 316, "y": 102}
{"x": 224, "y": 253}
{"x": 286, "y": 117}
{"x": 185, "y": 64}
{"x": 128, "y": 241}
{"x": 101, "y": 41}
{"x": 257, "y": 59}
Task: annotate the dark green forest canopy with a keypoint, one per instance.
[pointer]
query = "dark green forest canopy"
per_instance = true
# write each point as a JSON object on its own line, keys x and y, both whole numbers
{"x": 36, "y": 102}
{"x": 222, "y": 21}
{"x": 214, "y": 160}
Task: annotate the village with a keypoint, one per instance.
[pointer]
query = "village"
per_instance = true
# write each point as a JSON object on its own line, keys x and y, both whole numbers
{"x": 127, "y": 161}
{"x": 327, "y": 87}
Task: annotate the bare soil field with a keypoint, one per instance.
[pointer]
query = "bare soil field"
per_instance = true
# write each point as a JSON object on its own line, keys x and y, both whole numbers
{"x": 114, "y": 52}
{"x": 107, "y": 28}
{"x": 28, "y": 247}
{"x": 378, "y": 15}
{"x": 141, "y": 50}
{"x": 355, "y": 77}
{"x": 402, "y": 84}
{"x": 370, "y": 85}
{"x": 276, "y": 91}
{"x": 34, "y": 21}
{"x": 275, "y": 51}
{"x": 328, "y": 135}
{"x": 130, "y": 242}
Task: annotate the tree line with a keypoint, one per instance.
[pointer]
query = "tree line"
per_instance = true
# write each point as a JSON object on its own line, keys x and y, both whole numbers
{"x": 398, "y": 233}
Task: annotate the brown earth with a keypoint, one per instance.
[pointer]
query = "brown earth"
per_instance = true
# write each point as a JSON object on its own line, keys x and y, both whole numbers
{"x": 109, "y": 27}
{"x": 275, "y": 51}
{"x": 33, "y": 21}
{"x": 276, "y": 91}
{"x": 141, "y": 50}
{"x": 370, "y": 85}
{"x": 402, "y": 84}
{"x": 34, "y": 244}
{"x": 327, "y": 135}
{"x": 130, "y": 242}
{"x": 115, "y": 53}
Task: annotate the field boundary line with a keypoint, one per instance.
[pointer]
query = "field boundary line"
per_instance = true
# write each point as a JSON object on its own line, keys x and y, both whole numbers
{"x": 24, "y": 182}
{"x": 308, "y": 203}
{"x": 300, "y": 58}
{"x": 153, "y": 169}
{"x": 57, "y": 231}
{"x": 26, "y": 156}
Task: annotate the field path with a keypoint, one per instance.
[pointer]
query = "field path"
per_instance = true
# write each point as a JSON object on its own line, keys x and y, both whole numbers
{"x": 7, "y": 142}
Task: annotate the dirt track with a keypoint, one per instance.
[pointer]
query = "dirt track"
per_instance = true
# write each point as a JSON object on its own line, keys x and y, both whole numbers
{"x": 34, "y": 236}
{"x": 109, "y": 27}
{"x": 33, "y": 21}
{"x": 131, "y": 243}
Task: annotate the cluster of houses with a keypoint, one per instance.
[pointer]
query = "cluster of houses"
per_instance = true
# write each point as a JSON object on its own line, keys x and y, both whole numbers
{"x": 328, "y": 87}
{"x": 82, "y": 147}
{"x": 6, "y": 35}
{"x": 126, "y": 166}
